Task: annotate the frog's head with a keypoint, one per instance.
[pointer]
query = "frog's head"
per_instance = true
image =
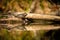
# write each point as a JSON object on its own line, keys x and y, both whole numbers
{"x": 19, "y": 14}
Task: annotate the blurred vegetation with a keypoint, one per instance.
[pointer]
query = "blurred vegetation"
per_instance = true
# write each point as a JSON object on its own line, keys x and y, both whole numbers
{"x": 20, "y": 35}
{"x": 29, "y": 35}
{"x": 15, "y": 5}
{"x": 24, "y": 5}
{"x": 5, "y": 35}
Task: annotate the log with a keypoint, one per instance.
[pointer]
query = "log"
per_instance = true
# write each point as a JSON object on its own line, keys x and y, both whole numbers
{"x": 36, "y": 16}
{"x": 41, "y": 16}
